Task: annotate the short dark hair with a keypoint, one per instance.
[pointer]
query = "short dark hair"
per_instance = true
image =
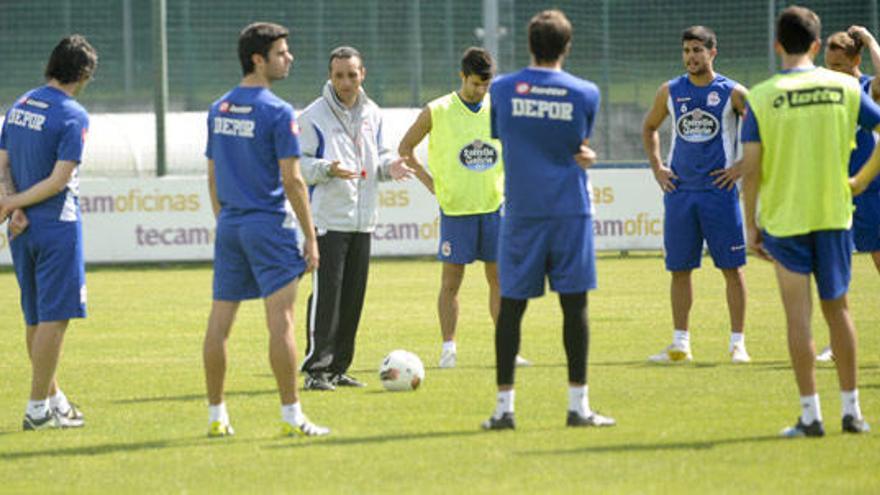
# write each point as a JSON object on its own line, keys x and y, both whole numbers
{"x": 549, "y": 35}
{"x": 477, "y": 61}
{"x": 73, "y": 59}
{"x": 344, "y": 52}
{"x": 700, "y": 33}
{"x": 844, "y": 42}
{"x": 257, "y": 39}
{"x": 797, "y": 28}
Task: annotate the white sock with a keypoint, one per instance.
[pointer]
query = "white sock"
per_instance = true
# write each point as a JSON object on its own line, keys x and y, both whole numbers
{"x": 293, "y": 413}
{"x": 218, "y": 413}
{"x": 37, "y": 408}
{"x": 449, "y": 346}
{"x": 737, "y": 338}
{"x": 59, "y": 401}
{"x": 682, "y": 337}
{"x": 849, "y": 402}
{"x": 579, "y": 399}
{"x": 810, "y": 409}
{"x": 505, "y": 403}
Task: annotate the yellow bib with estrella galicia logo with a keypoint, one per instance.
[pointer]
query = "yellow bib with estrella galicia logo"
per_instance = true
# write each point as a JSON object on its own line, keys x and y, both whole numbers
{"x": 464, "y": 160}
{"x": 807, "y": 123}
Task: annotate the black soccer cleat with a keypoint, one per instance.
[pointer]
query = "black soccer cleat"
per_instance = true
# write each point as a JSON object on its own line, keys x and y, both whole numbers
{"x": 343, "y": 380}
{"x": 505, "y": 422}
{"x": 852, "y": 425}
{"x": 594, "y": 419}
{"x": 814, "y": 429}
{"x": 319, "y": 381}
{"x": 49, "y": 421}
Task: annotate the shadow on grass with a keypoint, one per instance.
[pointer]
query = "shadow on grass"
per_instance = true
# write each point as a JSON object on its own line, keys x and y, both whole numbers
{"x": 109, "y": 448}
{"x": 642, "y": 447}
{"x": 401, "y": 437}
{"x": 193, "y": 397}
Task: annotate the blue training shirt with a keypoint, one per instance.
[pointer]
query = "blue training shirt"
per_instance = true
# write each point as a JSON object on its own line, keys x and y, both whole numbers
{"x": 249, "y": 130}
{"x": 541, "y": 117}
{"x": 866, "y": 140}
{"x": 44, "y": 126}
{"x": 704, "y": 130}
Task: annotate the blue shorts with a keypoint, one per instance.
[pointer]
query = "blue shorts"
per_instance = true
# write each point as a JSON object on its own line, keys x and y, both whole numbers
{"x": 827, "y": 254}
{"x": 559, "y": 248}
{"x": 51, "y": 273}
{"x": 693, "y": 216}
{"x": 254, "y": 258}
{"x": 466, "y": 238}
{"x": 866, "y": 222}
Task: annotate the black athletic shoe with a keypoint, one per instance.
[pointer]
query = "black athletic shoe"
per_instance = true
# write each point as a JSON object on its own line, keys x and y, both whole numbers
{"x": 814, "y": 429}
{"x": 853, "y": 425}
{"x": 505, "y": 422}
{"x": 594, "y": 419}
{"x": 319, "y": 381}
{"x": 343, "y": 380}
{"x": 72, "y": 418}
{"x": 48, "y": 422}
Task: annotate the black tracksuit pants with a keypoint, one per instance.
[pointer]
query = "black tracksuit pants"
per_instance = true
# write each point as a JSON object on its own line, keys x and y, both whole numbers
{"x": 334, "y": 308}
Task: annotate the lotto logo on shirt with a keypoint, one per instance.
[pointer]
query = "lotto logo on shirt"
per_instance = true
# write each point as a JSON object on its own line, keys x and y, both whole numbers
{"x": 697, "y": 126}
{"x": 478, "y": 156}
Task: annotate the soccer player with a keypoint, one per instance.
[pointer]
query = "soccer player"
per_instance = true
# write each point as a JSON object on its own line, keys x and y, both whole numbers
{"x": 253, "y": 166}
{"x": 843, "y": 54}
{"x": 467, "y": 176}
{"x": 797, "y": 137}
{"x": 700, "y": 196}
{"x": 41, "y": 147}
{"x": 543, "y": 117}
{"x": 344, "y": 158}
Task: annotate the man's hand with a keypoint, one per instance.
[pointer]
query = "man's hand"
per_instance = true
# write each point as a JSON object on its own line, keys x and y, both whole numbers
{"x": 585, "y": 157}
{"x": 18, "y": 223}
{"x": 338, "y": 172}
{"x": 860, "y": 33}
{"x": 855, "y": 187}
{"x": 6, "y": 208}
{"x": 399, "y": 171}
{"x": 755, "y": 242}
{"x": 664, "y": 176}
{"x": 725, "y": 178}
{"x": 310, "y": 254}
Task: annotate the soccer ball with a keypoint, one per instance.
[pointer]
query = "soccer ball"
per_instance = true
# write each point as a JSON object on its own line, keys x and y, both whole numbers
{"x": 401, "y": 370}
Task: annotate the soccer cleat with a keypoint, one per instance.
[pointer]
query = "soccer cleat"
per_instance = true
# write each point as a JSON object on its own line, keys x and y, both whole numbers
{"x": 304, "y": 429}
{"x": 319, "y": 381}
{"x": 343, "y": 380}
{"x": 814, "y": 429}
{"x": 49, "y": 421}
{"x": 852, "y": 425}
{"x": 447, "y": 359}
{"x": 675, "y": 352}
{"x": 826, "y": 355}
{"x": 738, "y": 354}
{"x": 219, "y": 429}
{"x": 72, "y": 418}
{"x": 522, "y": 362}
{"x": 594, "y": 419}
{"x": 505, "y": 422}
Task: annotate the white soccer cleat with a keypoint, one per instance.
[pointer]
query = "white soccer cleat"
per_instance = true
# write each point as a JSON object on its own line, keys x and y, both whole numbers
{"x": 675, "y": 352}
{"x": 826, "y": 355}
{"x": 738, "y": 354}
{"x": 447, "y": 359}
{"x": 522, "y": 362}
{"x": 304, "y": 429}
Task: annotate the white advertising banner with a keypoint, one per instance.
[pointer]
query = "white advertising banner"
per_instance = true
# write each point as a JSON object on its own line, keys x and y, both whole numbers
{"x": 170, "y": 219}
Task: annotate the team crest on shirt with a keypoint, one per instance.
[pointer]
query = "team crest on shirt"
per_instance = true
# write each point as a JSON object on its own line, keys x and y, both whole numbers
{"x": 523, "y": 88}
{"x": 446, "y": 249}
{"x": 224, "y": 106}
{"x": 478, "y": 156}
{"x": 697, "y": 126}
{"x": 713, "y": 99}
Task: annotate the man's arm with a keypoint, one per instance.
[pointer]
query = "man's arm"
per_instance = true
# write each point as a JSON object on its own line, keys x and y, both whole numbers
{"x": 390, "y": 167}
{"x": 651, "y": 138}
{"x": 315, "y": 168}
{"x": 18, "y": 221}
{"x": 725, "y": 178}
{"x": 414, "y": 135}
{"x": 869, "y": 42}
{"x": 46, "y": 188}
{"x": 212, "y": 189}
{"x": 751, "y": 175}
{"x": 297, "y": 193}
{"x": 859, "y": 182}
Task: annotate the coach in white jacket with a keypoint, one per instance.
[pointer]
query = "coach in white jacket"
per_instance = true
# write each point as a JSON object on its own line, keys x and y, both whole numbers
{"x": 344, "y": 158}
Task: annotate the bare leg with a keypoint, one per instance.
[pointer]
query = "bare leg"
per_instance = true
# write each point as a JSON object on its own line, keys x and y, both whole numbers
{"x": 875, "y": 255}
{"x": 494, "y": 291}
{"x": 214, "y": 350}
{"x": 797, "y": 300}
{"x": 282, "y": 346}
{"x": 447, "y": 302}
{"x": 843, "y": 341}
{"x": 736, "y": 297}
{"x": 682, "y": 296}
{"x": 31, "y": 332}
{"x": 45, "y": 349}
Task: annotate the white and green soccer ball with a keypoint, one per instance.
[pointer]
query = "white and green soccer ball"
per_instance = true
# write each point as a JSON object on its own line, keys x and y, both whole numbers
{"x": 401, "y": 370}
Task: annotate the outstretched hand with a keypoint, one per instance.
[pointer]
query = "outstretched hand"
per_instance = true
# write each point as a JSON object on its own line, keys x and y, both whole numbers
{"x": 338, "y": 172}
{"x": 399, "y": 170}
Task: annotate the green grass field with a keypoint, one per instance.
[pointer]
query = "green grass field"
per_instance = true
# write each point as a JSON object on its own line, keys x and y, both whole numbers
{"x": 134, "y": 366}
